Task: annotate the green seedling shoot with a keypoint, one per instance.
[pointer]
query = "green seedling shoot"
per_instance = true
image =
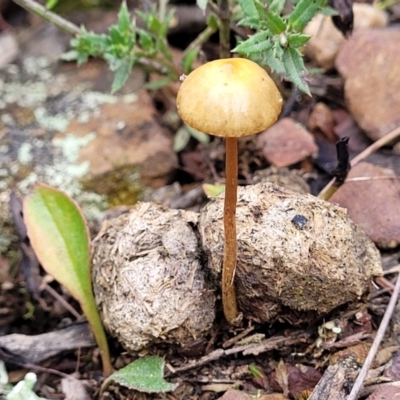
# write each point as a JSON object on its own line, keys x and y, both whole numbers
{"x": 60, "y": 237}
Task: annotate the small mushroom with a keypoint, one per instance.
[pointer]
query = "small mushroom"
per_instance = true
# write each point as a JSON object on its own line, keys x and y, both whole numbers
{"x": 231, "y": 98}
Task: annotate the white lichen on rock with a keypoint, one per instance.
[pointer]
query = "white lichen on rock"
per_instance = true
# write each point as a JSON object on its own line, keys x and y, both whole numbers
{"x": 32, "y": 153}
{"x": 147, "y": 277}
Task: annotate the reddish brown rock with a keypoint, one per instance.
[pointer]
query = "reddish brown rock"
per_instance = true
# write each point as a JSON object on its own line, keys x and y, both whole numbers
{"x": 286, "y": 143}
{"x": 372, "y": 201}
{"x": 369, "y": 62}
{"x": 127, "y": 134}
{"x": 326, "y": 39}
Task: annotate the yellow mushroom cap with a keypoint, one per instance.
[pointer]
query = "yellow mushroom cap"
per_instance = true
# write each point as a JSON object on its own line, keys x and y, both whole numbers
{"x": 231, "y": 97}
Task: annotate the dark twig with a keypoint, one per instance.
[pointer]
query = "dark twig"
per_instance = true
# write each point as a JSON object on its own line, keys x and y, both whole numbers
{"x": 327, "y": 191}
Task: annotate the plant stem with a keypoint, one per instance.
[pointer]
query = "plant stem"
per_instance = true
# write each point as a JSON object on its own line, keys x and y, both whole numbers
{"x": 200, "y": 39}
{"x": 48, "y": 15}
{"x": 90, "y": 310}
{"x": 224, "y": 29}
{"x": 230, "y": 249}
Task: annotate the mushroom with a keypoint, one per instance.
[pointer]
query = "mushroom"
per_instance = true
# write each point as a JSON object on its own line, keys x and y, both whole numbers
{"x": 231, "y": 98}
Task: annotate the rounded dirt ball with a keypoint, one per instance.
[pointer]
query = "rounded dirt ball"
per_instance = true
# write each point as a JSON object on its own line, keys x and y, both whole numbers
{"x": 298, "y": 257}
{"x": 147, "y": 279}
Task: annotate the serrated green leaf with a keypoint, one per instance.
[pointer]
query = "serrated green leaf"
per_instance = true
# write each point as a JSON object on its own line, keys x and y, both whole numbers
{"x": 295, "y": 69}
{"x": 273, "y": 62}
{"x": 271, "y": 20}
{"x": 116, "y": 36}
{"x": 303, "y": 12}
{"x": 277, "y": 6}
{"x": 124, "y": 18}
{"x": 188, "y": 59}
{"x": 250, "y": 22}
{"x": 248, "y": 7}
{"x": 154, "y": 24}
{"x": 297, "y": 39}
{"x": 199, "y": 136}
{"x": 146, "y": 40}
{"x": 145, "y": 375}
{"x": 202, "y": 4}
{"x": 70, "y": 55}
{"x": 181, "y": 139}
{"x": 121, "y": 73}
{"x": 254, "y": 44}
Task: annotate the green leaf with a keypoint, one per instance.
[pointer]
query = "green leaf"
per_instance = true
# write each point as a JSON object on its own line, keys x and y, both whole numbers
{"x": 273, "y": 62}
{"x": 144, "y": 375}
{"x": 23, "y": 390}
{"x": 303, "y": 12}
{"x": 188, "y": 60}
{"x": 272, "y": 20}
{"x": 50, "y": 4}
{"x": 124, "y": 18}
{"x": 212, "y": 21}
{"x": 213, "y": 190}
{"x": 199, "y": 136}
{"x": 60, "y": 238}
{"x": 251, "y": 22}
{"x": 295, "y": 69}
{"x": 146, "y": 41}
{"x": 297, "y": 39}
{"x": 257, "y": 43}
{"x": 159, "y": 83}
{"x": 248, "y": 7}
{"x": 277, "y": 6}
{"x": 255, "y": 371}
{"x": 181, "y": 139}
{"x": 202, "y": 4}
{"x": 121, "y": 73}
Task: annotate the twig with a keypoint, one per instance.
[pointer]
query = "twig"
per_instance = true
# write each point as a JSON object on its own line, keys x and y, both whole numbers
{"x": 62, "y": 301}
{"x": 329, "y": 189}
{"x": 213, "y": 8}
{"x": 200, "y": 39}
{"x": 224, "y": 29}
{"x": 60, "y": 22}
{"x": 375, "y": 345}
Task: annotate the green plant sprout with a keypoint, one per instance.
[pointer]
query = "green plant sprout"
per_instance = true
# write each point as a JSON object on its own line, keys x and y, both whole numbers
{"x": 60, "y": 238}
{"x": 276, "y": 39}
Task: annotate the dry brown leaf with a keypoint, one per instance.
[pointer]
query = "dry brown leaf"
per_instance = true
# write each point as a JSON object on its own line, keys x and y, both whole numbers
{"x": 385, "y": 393}
{"x": 235, "y": 395}
{"x": 300, "y": 378}
{"x": 282, "y": 377}
{"x": 393, "y": 371}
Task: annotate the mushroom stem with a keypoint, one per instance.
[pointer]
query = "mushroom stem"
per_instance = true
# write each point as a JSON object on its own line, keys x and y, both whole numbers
{"x": 229, "y": 265}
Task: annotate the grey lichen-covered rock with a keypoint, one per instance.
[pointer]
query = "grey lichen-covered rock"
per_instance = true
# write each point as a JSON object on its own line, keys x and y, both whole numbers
{"x": 147, "y": 278}
{"x": 298, "y": 257}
